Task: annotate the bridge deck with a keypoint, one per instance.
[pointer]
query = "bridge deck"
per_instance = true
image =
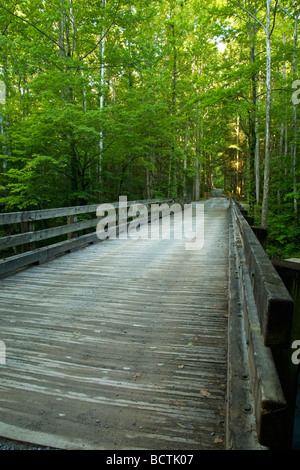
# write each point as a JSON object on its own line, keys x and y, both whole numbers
{"x": 121, "y": 345}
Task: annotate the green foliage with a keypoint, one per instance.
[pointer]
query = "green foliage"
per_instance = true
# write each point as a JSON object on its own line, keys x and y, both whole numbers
{"x": 172, "y": 102}
{"x": 283, "y": 234}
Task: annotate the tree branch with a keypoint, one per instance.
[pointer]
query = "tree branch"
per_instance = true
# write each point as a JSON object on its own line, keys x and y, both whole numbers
{"x": 259, "y": 22}
{"x": 30, "y": 24}
{"x": 273, "y": 89}
{"x": 274, "y": 19}
{"x": 7, "y": 26}
{"x": 252, "y": 16}
{"x": 288, "y": 13}
{"x": 104, "y": 34}
{"x": 284, "y": 10}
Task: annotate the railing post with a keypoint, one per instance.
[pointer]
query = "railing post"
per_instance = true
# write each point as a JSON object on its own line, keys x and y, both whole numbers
{"x": 25, "y": 228}
{"x": 72, "y": 219}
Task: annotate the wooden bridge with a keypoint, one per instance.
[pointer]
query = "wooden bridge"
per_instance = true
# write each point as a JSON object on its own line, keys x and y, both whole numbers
{"x": 140, "y": 343}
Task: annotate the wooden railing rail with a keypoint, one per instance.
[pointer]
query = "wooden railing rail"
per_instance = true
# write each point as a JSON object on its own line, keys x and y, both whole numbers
{"x": 273, "y": 302}
{"x": 28, "y": 237}
{"x": 260, "y": 318}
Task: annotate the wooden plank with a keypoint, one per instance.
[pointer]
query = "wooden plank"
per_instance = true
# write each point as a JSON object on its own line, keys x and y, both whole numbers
{"x": 241, "y": 431}
{"x": 10, "y": 265}
{"x": 274, "y": 303}
{"x": 29, "y": 237}
{"x": 121, "y": 345}
{"x": 18, "y": 217}
{"x": 269, "y": 404}
{"x": 26, "y": 216}
{"x": 13, "y": 263}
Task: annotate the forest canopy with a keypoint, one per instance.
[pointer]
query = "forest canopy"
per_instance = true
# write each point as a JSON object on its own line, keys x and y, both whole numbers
{"x": 168, "y": 98}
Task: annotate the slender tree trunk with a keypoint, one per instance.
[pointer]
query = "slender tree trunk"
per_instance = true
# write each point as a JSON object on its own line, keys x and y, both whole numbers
{"x": 101, "y": 98}
{"x": 197, "y": 161}
{"x": 172, "y": 166}
{"x": 61, "y": 39}
{"x": 295, "y": 123}
{"x": 256, "y": 99}
{"x": 199, "y": 152}
{"x": 3, "y": 134}
{"x": 281, "y": 145}
{"x": 264, "y": 217}
{"x": 253, "y": 116}
{"x": 186, "y": 140}
{"x": 257, "y": 155}
{"x": 3, "y": 97}
{"x": 268, "y": 33}
{"x": 149, "y": 172}
{"x": 238, "y": 188}
{"x": 66, "y": 50}
{"x": 2, "y": 102}
{"x": 282, "y": 136}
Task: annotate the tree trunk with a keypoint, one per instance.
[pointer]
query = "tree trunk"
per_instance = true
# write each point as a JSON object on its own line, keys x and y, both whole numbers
{"x": 172, "y": 167}
{"x": 268, "y": 33}
{"x": 186, "y": 140}
{"x": 61, "y": 40}
{"x": 257, "y": 156}
{"x": 252, "y": 123}
{"x": 2, "y": 129}
{"x": 101, "y": 98}
{"x": 295, "y": 123}
{"x": 238, "y": 187}
{"x": 282, "y": 145}
{"x": 264, "y": 217}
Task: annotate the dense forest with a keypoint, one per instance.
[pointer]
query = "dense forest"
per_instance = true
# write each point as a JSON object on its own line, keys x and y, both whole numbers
{"x": 102, "y": 98}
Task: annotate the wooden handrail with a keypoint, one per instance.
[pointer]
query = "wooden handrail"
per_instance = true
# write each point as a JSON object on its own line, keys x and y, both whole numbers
{"x": 273, "y": 302}
{"x": 29, "y": 236}
{"x": 260, "y": 311}
{"x": 33, "y": 216}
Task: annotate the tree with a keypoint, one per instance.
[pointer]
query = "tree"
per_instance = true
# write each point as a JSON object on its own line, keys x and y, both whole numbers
{"x": 268, "y": 29}
{"x": 295, "y": 14}
{"x": 166, "y": 98}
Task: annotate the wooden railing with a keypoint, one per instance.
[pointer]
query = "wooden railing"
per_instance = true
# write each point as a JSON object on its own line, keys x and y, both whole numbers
{"x": 28, "y": 237}
{"x": 260, "y": 319}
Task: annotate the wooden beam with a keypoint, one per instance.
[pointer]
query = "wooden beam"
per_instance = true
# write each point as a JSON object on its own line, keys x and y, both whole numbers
{"x": 26, "y": 216}
{"x": 269, "y": 403}
{"x": 29, "y": 237}
{"x": 27, "y": 219}
{"x": 10, "y": 265}
{"x": 273, "y": 301}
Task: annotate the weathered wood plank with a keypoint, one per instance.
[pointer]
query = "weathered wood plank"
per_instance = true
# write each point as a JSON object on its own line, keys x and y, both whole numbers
{"x": 40, "y": 255}
{"x": 18, "y": 217}
{"x": 269, "y": 404}
{"x": 28, "y": 216}
{"x": 10, "y": 265}
{"x": 241, "y": 432}
{"x": 39, "y": 235}
{"x": 274, "y": 303}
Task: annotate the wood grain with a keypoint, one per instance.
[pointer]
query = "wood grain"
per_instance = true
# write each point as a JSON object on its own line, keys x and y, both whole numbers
{"x": 121, "y": 345}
